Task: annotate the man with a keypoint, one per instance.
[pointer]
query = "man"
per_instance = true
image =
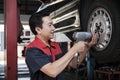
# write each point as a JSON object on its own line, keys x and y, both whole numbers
{"x": 44, "y": 57}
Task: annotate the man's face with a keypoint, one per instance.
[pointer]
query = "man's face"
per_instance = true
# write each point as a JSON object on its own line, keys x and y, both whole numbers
{"x": 47, "y": 32}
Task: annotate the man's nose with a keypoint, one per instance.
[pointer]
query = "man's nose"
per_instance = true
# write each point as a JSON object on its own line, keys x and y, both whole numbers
{"x": 53, "y": 27}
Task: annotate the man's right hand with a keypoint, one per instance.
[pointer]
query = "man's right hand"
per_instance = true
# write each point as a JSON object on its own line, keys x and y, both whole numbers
{"x": 80, "y": 46}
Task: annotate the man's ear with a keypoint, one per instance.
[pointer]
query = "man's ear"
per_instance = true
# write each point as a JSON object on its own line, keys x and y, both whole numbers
{"x": 38, "y": 30}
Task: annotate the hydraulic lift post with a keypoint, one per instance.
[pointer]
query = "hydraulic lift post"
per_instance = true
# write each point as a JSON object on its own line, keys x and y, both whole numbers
{"x": 11, "y": 39}
{"x": 90, "y": 66}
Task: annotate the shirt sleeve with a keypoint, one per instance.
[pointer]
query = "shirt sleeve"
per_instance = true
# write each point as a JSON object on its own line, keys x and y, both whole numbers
{"x": 35, "y": 59}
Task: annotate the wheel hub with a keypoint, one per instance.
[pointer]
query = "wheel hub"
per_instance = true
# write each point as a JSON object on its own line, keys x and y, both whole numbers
{"x": 100, "y": 22}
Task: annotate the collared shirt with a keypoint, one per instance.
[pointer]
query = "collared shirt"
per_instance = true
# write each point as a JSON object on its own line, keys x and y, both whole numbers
{"x": 38, "y": 54}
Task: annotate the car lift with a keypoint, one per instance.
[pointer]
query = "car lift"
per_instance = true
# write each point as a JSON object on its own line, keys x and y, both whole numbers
{"x": 108, "y": 73}
{"x": 11, "y": 23}
{"x": 90, "y": 66}
{"x": 102, "y": 73}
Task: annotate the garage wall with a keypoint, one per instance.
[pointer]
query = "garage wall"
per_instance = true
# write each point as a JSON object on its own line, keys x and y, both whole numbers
{"x": 1, "y": 38}
{"x": 1, "y": 41}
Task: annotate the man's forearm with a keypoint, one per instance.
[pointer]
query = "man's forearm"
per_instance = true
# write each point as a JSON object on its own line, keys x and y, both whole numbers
{"x": 53, "y": 69}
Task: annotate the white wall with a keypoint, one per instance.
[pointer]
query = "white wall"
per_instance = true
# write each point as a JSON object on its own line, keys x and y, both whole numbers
{"x": 1, "y": 37}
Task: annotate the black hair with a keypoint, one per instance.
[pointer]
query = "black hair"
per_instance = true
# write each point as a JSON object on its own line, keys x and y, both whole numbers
{"x": 36, "y": 21}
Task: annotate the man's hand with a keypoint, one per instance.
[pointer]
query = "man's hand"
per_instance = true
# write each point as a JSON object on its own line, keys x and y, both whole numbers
{"x": 94, "y": 39}
{"x": 80, "y": 46}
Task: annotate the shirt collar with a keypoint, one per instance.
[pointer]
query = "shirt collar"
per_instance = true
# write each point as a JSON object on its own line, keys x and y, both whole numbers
{"x": 43, "y": 45}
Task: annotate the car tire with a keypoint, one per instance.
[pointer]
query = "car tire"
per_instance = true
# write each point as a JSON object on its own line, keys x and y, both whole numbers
{"x": 103, "y": 16}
